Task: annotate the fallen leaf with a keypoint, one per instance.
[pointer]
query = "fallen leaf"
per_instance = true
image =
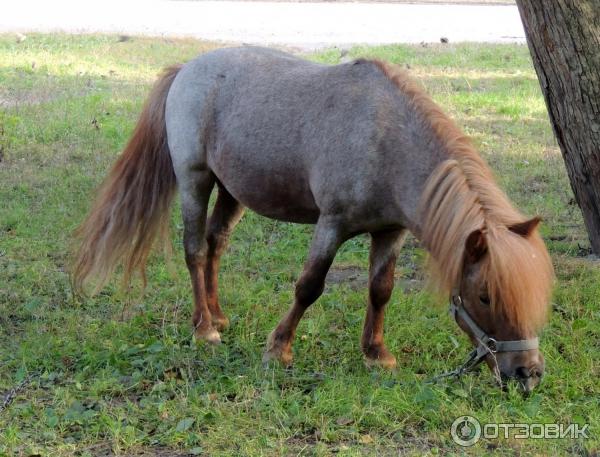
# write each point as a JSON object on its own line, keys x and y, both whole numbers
{"x": 366, "y": 439}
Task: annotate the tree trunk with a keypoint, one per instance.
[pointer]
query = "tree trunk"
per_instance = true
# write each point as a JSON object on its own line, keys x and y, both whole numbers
{"x": 564, "y": 40}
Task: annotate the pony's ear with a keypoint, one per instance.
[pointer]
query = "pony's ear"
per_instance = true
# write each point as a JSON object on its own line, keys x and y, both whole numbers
{"x": 475, "y": 246}
{"x": 525, "y": 228}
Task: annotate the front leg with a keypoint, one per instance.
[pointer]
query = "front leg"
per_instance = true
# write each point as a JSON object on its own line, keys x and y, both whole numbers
{"x": 326, "y": 241}
{"x": 385, "y": 247}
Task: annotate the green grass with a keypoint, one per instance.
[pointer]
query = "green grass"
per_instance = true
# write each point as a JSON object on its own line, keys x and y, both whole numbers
{"x": 119, "y": 373}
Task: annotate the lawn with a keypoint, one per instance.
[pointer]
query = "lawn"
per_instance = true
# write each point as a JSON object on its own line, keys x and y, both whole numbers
{"x": 119, "y": 373}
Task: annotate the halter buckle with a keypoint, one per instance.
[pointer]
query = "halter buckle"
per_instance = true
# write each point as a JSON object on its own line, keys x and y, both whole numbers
{"x": 492, "y": 345}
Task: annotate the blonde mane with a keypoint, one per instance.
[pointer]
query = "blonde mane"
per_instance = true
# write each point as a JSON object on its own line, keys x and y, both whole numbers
{"x": 461, "y": 196}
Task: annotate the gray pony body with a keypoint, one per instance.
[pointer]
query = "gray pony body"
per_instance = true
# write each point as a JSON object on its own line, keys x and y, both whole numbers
{"x": 296, "y": 141}
{"x": 351, "y": 148}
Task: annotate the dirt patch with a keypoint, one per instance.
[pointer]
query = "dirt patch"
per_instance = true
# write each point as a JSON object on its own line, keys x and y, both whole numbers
{"x": 354, "y": 276}
{"x": 357, "y": 278}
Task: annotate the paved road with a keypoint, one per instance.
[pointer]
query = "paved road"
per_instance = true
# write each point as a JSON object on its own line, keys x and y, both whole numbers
{"x": 303, "y": 25}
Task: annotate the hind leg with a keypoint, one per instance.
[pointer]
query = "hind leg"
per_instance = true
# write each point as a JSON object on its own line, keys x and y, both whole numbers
{"x": 385, "y": 247}
{"x": 326, "y": 241}
{"x": 188, "y": 116}
{"x": 226, "y": 214}
{"x": 195, "y": 192}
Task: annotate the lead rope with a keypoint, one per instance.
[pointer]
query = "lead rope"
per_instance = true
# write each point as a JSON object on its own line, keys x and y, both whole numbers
{"x": 486, "y": 344}
{"x": 472, "y": 361}
{"x": 476, "y": 356}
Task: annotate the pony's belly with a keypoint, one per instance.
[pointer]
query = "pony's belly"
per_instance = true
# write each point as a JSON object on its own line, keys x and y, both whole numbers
{"x": 276, "y": 193}
{"x": 289, "y": 213}
{"x": 275, "y": 203}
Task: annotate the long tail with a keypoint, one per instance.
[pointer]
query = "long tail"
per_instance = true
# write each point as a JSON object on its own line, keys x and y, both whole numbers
{"x": 132, "y": 205}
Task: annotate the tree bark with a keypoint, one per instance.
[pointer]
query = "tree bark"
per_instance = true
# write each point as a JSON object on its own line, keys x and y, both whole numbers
{"x": 564, "y": 41}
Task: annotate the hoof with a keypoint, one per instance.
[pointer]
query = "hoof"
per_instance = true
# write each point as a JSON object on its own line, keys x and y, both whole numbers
{"x": 277, "y": 356}
{"x": 381, "y": 358}
{"x": 277, "y": 352}
{"x": 220, "y": 323}
{"x": 209, "y": 335}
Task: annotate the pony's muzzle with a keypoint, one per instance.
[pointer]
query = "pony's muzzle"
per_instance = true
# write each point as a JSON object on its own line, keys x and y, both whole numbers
{"x": 527, "y": 368}
{"x": 529, "y": 378}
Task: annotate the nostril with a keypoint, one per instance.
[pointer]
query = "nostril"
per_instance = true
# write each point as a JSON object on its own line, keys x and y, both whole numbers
{"x": 527, "y": 377}
{"x": 523, "y": 372}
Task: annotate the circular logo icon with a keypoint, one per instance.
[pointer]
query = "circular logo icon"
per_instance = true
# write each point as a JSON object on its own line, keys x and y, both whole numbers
{"x": 465, "y": 431}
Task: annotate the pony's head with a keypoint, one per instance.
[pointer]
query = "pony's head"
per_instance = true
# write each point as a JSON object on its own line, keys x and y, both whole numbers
{"x": 503, "y": 290}
{"x": 493, "y": 263}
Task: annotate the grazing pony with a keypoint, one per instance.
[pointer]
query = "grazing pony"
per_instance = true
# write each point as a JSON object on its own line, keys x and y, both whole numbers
{"x": 352, "y": 148}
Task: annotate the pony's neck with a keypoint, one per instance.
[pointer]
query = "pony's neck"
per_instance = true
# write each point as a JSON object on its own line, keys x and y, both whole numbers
{"x": 438, "y": 154}
{"x": 423, "y": 154}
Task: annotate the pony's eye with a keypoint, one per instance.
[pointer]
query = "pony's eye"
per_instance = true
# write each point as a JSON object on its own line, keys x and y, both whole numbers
{"x": 484, "y": 300}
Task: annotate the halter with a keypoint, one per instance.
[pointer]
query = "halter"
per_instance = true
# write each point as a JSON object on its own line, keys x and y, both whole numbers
{"x": 486, "y": 344}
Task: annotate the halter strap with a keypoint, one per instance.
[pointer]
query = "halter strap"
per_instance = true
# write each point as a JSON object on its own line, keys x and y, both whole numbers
{"x": 490, "y": 344}
{"x": 486, "y": 344}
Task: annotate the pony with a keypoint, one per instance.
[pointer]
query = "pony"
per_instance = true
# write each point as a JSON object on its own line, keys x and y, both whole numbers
{"x": 352, "y": 148}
